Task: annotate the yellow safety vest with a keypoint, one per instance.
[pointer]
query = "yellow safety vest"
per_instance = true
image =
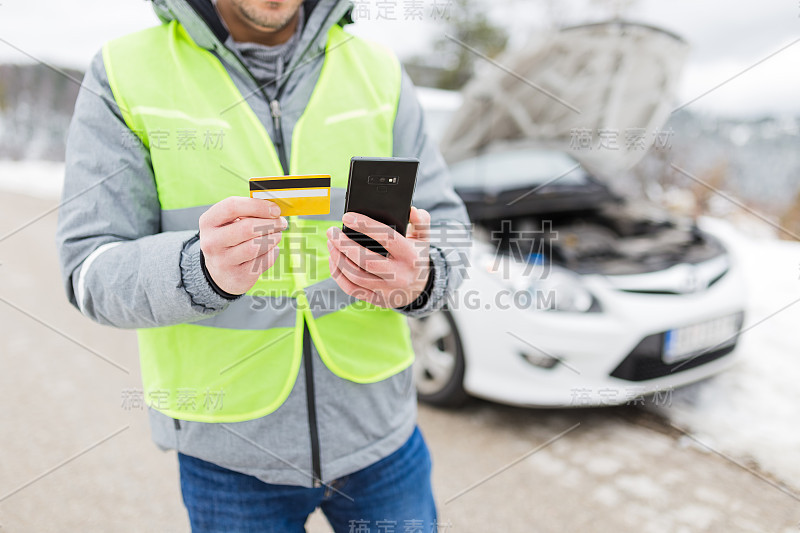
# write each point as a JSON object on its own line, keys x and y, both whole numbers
{"x": 204, "y": 141}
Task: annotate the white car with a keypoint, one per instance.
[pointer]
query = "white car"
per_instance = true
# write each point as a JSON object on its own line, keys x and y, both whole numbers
{"x": 571, "y": 297}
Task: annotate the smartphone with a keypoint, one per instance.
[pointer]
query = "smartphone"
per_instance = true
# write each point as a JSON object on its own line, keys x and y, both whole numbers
{"x": 381, "y": 188}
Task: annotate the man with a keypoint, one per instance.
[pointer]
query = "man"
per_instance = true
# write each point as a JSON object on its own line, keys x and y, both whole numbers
{"x": 275, "y": 351}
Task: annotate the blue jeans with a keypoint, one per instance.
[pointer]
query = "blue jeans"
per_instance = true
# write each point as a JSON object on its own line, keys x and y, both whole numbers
{"x": 393, "y": 494}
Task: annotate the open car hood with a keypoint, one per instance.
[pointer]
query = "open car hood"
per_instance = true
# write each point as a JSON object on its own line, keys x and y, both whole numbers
{"x": 572, "y": 90}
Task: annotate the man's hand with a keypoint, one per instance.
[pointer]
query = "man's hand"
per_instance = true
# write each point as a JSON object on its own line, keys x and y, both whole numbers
{"x": 393, "y": 281}
{"x": 239, "y": 238}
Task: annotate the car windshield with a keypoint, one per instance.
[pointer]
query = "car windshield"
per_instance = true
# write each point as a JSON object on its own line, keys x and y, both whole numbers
{"x": 517, "y": 168}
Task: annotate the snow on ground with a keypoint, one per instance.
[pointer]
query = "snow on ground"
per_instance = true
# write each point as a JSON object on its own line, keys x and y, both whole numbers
{"x": 753, "y": 410}
{"x": 750, "y": 412}
{"x": 43, "y": 179}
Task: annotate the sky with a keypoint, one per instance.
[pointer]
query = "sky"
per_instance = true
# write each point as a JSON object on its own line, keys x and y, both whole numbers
{"x": 726, "y": 38}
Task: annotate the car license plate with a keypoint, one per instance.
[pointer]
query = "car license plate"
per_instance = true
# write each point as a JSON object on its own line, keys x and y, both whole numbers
{"x": 683, "y": 343}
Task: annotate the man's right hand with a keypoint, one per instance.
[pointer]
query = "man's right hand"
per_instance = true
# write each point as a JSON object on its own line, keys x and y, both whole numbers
{"x": 239, "y": 238}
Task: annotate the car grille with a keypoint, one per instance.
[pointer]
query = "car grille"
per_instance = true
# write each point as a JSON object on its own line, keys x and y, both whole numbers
{"x": 644, "y": 362}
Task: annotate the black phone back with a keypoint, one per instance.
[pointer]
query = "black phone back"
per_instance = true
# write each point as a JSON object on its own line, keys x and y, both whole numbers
{"x": 382, "y": 189}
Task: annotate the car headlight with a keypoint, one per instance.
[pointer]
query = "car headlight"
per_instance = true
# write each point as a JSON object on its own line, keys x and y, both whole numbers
{"x": 565, "y": 291}
{"x": 549, "y": 287}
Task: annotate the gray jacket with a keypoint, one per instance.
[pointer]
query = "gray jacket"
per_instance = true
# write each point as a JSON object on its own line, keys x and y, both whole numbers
{"x": 122, "y": 268}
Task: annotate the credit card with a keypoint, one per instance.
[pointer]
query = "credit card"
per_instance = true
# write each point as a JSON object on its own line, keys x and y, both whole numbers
{"x": 295, "y": 195}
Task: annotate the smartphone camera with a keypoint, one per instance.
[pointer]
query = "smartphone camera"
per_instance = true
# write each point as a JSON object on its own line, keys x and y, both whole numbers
{"x": 382, "y": 180}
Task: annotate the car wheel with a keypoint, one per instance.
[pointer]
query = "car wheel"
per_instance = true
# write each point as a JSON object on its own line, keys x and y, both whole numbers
{"x": 439, "y": 363}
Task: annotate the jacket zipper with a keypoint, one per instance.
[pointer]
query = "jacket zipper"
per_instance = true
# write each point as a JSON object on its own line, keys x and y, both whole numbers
{"x": 312, "y": 406}
{"x": 275, "y": 111}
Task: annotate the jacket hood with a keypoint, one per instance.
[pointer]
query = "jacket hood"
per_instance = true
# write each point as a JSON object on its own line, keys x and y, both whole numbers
{"x": 201, "y": 21}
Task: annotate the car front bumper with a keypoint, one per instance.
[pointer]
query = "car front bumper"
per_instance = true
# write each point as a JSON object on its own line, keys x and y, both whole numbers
{"x": 551, "y": 358}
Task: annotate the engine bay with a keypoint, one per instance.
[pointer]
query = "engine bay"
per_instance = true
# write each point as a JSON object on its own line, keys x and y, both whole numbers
{"x": 616, "y": 239}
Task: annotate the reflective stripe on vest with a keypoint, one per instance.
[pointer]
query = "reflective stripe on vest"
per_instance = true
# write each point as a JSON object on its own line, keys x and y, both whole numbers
{"x": 205, "y": 141}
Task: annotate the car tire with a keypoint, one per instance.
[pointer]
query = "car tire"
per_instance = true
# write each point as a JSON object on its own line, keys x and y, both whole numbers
{"x": 439, "y": 366}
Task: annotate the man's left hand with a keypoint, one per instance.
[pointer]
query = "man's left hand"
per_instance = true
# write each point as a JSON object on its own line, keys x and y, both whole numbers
{"x": 392, "y": 281}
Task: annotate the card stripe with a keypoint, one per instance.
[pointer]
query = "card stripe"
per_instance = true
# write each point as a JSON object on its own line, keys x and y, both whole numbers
{"x": 294, "y": 183}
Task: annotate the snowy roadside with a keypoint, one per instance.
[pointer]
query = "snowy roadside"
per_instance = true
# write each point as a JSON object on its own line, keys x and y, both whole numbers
{"x": 751, "y": 411}
{"x": 41, "y": 179}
